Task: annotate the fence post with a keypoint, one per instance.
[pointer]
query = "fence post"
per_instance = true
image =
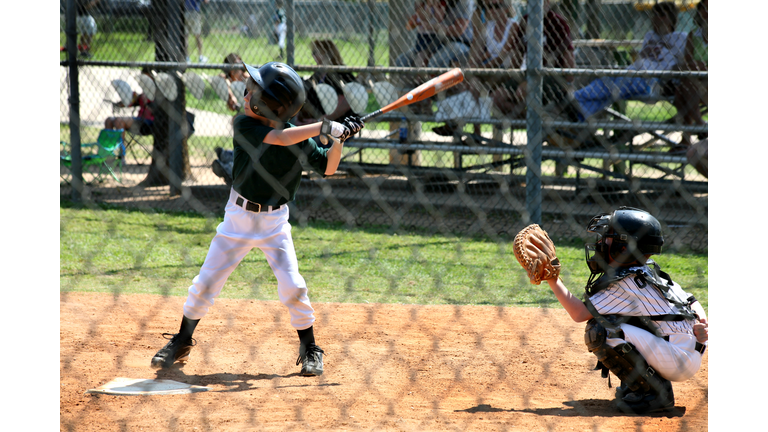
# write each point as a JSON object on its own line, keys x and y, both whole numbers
{"x": 371, "y": 33}
{"x": 534, "y": 34}
{"x": 290, "y": 16}
{"x": 176, "y": 51}
{"x": 76, "y": 169}
{"x": 592, "y": 13}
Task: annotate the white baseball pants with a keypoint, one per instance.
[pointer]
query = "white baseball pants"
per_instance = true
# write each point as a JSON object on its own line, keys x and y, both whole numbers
{"x": 240, "y": 232}
{"x": 676, "y": 360}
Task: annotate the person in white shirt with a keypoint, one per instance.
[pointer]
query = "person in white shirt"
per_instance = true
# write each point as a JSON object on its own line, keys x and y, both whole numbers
{"x": 641, "y": 325}
{"x": 663, "y": 49}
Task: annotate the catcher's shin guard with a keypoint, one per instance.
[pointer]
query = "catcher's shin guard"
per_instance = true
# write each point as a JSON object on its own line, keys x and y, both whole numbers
{"x": 623, "y": 360}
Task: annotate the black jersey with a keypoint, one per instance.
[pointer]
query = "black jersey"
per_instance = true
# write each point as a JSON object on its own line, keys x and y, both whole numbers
{"x": 270, "y": 174}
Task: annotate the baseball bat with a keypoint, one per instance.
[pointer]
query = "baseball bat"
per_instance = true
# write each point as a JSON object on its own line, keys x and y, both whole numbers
{"x": 424, "y": 91}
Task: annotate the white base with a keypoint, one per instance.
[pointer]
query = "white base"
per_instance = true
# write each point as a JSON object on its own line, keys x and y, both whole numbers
{"x": 135, "y": 387}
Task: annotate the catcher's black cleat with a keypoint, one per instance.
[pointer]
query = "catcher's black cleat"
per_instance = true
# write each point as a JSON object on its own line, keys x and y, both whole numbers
{"x": 176, "y": 350}
{"x": 311, "y": 361}
{"x": 640, "y": 402}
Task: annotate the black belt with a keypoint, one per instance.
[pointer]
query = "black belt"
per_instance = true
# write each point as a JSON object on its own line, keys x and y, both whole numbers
{"x": 700, "y": 348}
{"x": 252, "y": 206}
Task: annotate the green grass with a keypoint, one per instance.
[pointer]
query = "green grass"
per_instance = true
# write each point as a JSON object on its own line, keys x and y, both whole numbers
{"x": 119, "y": 251}
{"x": 133, "y": 46}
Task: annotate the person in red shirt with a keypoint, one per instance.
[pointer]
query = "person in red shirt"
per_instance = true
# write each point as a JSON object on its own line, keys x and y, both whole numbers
{"x": 142, "y": 124}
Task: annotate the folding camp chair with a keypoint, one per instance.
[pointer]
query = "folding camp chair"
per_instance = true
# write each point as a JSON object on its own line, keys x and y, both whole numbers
{"x": 100, "y": 157}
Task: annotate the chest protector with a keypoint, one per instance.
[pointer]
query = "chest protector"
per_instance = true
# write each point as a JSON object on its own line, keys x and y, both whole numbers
{"x": 659, "y": 280}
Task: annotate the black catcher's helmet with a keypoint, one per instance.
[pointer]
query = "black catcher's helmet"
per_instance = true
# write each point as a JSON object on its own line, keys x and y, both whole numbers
{"x": 275, "y": 85}
{"x": 635, "y": 233}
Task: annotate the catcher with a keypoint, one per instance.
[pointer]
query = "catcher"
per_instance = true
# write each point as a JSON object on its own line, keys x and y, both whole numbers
{"x": 640, "y": 324}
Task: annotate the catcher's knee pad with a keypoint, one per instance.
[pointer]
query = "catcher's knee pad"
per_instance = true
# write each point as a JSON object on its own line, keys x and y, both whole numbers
{"x": 623, "y": 360}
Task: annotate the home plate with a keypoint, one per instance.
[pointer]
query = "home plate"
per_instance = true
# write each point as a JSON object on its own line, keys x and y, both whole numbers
{"x": 143, "y": 387}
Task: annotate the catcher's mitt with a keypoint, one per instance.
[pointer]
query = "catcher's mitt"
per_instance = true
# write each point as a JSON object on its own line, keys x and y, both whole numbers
{"x": 535, "y": 251}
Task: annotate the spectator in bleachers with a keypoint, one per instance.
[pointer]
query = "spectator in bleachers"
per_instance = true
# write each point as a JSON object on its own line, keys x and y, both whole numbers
{"x": 142, "y": 124}
{"x": 497, "y": 42}
{"x": 494, "y": 51}
{"x": 557, "y": 53}
{"x": 444, "y": 33}
{"x": 693, "y": 92}
{"x": 440, "y": 42}
{"x": 325, "y": 52}
{"x": 222, "y": 165}
{"x": 426, "y": 20}
{"x": 231, "y": 76}
{"x": 456, "y": 33}
{"x": 663, "y": 49}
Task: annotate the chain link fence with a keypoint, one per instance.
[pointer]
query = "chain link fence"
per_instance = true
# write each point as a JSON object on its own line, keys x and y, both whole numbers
{"x": 569, "y": 108}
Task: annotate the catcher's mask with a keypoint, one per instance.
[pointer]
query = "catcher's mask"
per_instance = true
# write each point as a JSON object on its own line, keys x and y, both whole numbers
{"x": 277, "y": 91}
{"x": 634, "y": 233}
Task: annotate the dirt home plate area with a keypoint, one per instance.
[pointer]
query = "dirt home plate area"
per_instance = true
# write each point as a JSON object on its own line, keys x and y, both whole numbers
{"x": 387, "y": 368}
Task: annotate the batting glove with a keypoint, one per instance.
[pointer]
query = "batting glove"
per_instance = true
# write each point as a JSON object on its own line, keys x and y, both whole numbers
{"x": 334, "y": 129}
{"x": 353, "y": 123}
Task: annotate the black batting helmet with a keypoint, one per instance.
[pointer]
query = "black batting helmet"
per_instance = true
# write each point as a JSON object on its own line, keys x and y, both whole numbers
{"x": 275, "y": 85}
{"x": 635, "y": 233}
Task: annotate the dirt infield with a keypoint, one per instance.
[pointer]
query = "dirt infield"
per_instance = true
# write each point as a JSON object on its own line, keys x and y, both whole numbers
{"x": 388, "y": 368}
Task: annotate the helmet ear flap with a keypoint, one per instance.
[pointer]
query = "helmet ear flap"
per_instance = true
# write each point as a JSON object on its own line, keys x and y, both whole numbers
{"x": 264, "y": 104}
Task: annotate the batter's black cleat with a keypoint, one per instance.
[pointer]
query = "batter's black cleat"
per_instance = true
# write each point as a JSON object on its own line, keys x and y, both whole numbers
{"x": 311, "y": 361}
{"x": 640, "y": 402}
{"x": 174, "y": 351}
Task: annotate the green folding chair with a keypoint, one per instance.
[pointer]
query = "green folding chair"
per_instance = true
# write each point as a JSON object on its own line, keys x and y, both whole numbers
{"x": 101, "y": 157}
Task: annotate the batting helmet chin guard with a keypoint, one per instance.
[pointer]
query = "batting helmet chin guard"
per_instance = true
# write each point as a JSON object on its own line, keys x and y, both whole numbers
{"x": 277, "y": 91}
{"x": 634, "y": 233}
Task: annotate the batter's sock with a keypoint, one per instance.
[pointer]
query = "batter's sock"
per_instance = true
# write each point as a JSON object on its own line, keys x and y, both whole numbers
{"x": 187, "y": 328}
{"x": 306, "y": 337}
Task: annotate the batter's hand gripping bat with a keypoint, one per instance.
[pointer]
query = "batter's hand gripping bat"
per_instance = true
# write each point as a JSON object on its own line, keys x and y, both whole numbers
{"x": 424, "y": 91}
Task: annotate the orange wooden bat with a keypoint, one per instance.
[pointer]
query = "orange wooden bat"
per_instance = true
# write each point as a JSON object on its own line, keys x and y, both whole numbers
{"x": 426, "y": 90}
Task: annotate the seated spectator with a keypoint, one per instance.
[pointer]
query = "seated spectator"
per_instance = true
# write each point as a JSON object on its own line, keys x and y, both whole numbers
{"x": 456, "y": 33}
{"x": 448, "y": 40}
{"x": 325, "y": 52}
{"x": 692, "y": 92}
{"x": 426, "y": 20}
{"x": 495, "y": 52}
{"x": 663, "y": 49}
{"x": 509, "y": 98}
{"x": 231, "y": 76}
{"x": 141, "y": 125}
{"x": 222, "y": 166}
{"x": 497, "y": 42}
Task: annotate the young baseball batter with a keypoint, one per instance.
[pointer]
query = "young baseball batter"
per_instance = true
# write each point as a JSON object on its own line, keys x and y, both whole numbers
{"x": 641, "y": 325}
{"x": 266, "y": 175}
